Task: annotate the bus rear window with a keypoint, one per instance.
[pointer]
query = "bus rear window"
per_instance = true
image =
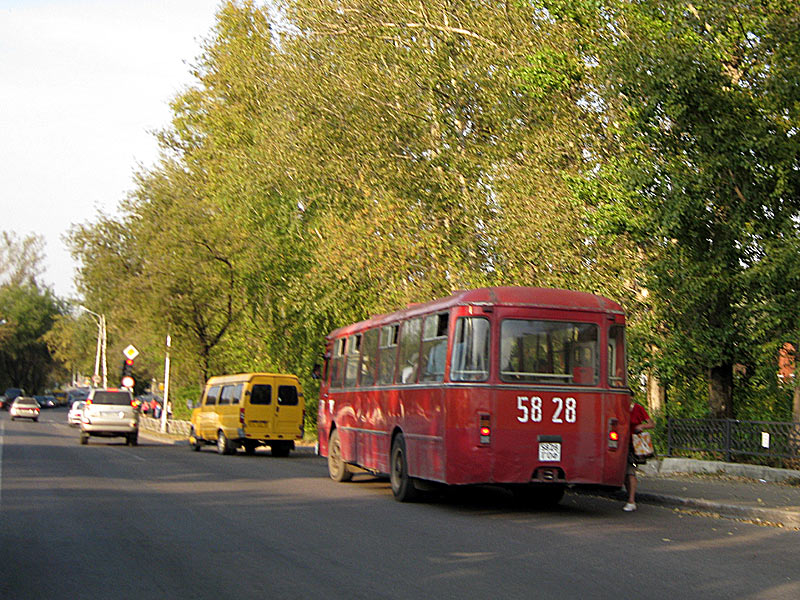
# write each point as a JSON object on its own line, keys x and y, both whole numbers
{"x": 548, "y": 352}
{"x": 470, "y": 360}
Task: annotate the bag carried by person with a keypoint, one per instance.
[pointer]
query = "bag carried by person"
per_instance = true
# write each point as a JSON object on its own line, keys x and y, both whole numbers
{"x": 643, "y": 446}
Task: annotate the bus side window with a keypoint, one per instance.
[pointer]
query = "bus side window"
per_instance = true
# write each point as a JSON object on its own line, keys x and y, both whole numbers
{"x": 409, "y": 351}
{"x": 337, "y": 363}
{"x": 470, "y": 361}
{"x": 616, "y": 356}
{"x": 388, "y": 353}
{"x": 434, "y": 347}
{"x": 212, "y": 396}
{"x": 369, "y": 354}
{"x": 353, "y": 356}
{"x": 237, "y": 394}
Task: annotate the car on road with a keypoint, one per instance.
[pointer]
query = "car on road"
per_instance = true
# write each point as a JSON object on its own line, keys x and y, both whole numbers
{"x": 75, "y": 413}
{"x": 9, "y": 397}
{"x": 24, "y": 407}
{"x": 46, "y": 401}
{"x": 61, "y": 397}
{"x": 110, "y": 413}
{"x": 77, "y": 394}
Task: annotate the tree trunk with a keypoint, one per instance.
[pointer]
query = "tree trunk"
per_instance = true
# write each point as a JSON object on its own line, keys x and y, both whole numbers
{"x": 796, "y": 403}
{"x": 656, "y": 395}
{"x": 720, "y": 391}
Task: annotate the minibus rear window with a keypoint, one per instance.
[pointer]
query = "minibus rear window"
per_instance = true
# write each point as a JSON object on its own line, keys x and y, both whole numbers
{"x": 261, "y": 394}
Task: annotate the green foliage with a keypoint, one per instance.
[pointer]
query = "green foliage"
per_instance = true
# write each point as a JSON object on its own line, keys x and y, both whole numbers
{"x": 28, "y": 312}
{"x": 347, "y": 158}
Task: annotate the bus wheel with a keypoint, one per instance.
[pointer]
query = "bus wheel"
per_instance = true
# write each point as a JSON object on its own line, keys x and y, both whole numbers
{"x": 337, "y": 468}
{"x": 402, "y": 485}
{"x": 223, "y": 445}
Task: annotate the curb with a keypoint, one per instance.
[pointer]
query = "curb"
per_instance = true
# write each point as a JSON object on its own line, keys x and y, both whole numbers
{"x": 777, "y": 516}
{"x": 671, "y": 466}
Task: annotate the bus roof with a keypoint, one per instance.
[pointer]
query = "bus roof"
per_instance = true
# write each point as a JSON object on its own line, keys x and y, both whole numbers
{"x": 494, "y": 296}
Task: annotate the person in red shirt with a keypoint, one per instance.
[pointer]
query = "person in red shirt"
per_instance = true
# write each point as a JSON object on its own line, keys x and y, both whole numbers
{"x": 640, "y": 421}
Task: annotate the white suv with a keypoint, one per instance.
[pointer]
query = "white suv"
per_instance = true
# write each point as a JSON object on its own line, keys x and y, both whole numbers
{"x": 110, "y": 413}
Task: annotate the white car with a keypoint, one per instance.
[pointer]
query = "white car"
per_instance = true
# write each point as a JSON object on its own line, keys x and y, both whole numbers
{"x": 110, "y": 413}
{"x": 25, "y": 408}
{"x": 75, "y": 413}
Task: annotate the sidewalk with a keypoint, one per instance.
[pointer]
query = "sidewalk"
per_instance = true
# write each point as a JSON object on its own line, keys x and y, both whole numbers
{"x": 732, "y": 490}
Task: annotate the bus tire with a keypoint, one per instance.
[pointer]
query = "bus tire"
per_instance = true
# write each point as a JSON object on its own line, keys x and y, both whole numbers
{"x": 403, "y": 486}
{"x": 337, "y": 468}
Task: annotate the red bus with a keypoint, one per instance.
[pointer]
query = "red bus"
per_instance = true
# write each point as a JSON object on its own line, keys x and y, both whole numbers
{"x": 517, "y": 386}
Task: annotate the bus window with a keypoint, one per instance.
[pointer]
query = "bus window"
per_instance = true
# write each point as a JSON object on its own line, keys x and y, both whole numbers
{"x": 470, "y": 350}
{"x": 434, "y": 347}
{"x": 548, "y": 352}
{"x": 353, "y": 356}
{"x": 261, "y": 394}
{"x": 337, "y": 366}
{"x": 236, "y": 396}
{"x": 227, "y": 394}
{"x": 408, "y": 363}
{"x": 369, "y": 352}
{"x": 388, "y": 354}
{"x": 616, "y": 356}
{"x": 287, "y": 395}
{"x": 212, "y": 395}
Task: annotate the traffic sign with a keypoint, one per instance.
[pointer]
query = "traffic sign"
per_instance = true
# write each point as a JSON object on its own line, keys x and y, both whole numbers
{"x": 131, "y": 352}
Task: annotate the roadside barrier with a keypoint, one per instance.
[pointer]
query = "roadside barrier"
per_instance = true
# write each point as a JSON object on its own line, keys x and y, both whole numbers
{"x": 174, "y": 426}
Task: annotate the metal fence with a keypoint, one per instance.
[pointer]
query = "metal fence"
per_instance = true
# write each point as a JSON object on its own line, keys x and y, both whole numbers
{"x": 768, "y": 443}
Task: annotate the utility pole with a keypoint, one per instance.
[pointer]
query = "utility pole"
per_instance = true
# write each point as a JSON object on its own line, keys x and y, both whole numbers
{"x": 166, "y": 387}
{"x": 102, "y": 342}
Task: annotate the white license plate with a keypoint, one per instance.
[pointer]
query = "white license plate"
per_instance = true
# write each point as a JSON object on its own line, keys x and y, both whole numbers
{"x": 550, "y": 451}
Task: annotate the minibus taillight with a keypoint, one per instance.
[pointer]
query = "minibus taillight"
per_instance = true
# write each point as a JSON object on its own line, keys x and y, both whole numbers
{"x": 485, "y": 429}
{"x": 241, "y": 416}
{"x": 613, "y": 434}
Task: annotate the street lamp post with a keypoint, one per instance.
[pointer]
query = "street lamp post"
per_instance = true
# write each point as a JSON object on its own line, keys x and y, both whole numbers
{"x": 102, "y": 341}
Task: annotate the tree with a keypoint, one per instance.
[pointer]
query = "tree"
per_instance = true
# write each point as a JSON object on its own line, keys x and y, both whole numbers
{"x": 709, "y": 172}
{"x": 20, "y": 260}
{"x": 28, "y": 312}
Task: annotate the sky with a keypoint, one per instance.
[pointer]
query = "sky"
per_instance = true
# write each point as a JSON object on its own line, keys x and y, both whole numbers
{"x": 83, "y": 86}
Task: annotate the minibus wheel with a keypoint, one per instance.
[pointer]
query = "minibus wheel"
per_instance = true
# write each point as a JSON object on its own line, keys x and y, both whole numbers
{"x": 223, "y": 444}
{"x": 337, "y": 468}
{"x": 194, "y": 441}
{"x": 402, "y": 485}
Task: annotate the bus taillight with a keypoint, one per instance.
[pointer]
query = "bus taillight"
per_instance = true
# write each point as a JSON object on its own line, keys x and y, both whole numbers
{"x": 241, "y": 416}
{"x": 613, "y": 434}
{"x": 485, "y": 429}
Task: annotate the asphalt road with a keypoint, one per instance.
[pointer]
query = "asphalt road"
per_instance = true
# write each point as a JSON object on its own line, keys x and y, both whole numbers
{"x": 159, "y": 521}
